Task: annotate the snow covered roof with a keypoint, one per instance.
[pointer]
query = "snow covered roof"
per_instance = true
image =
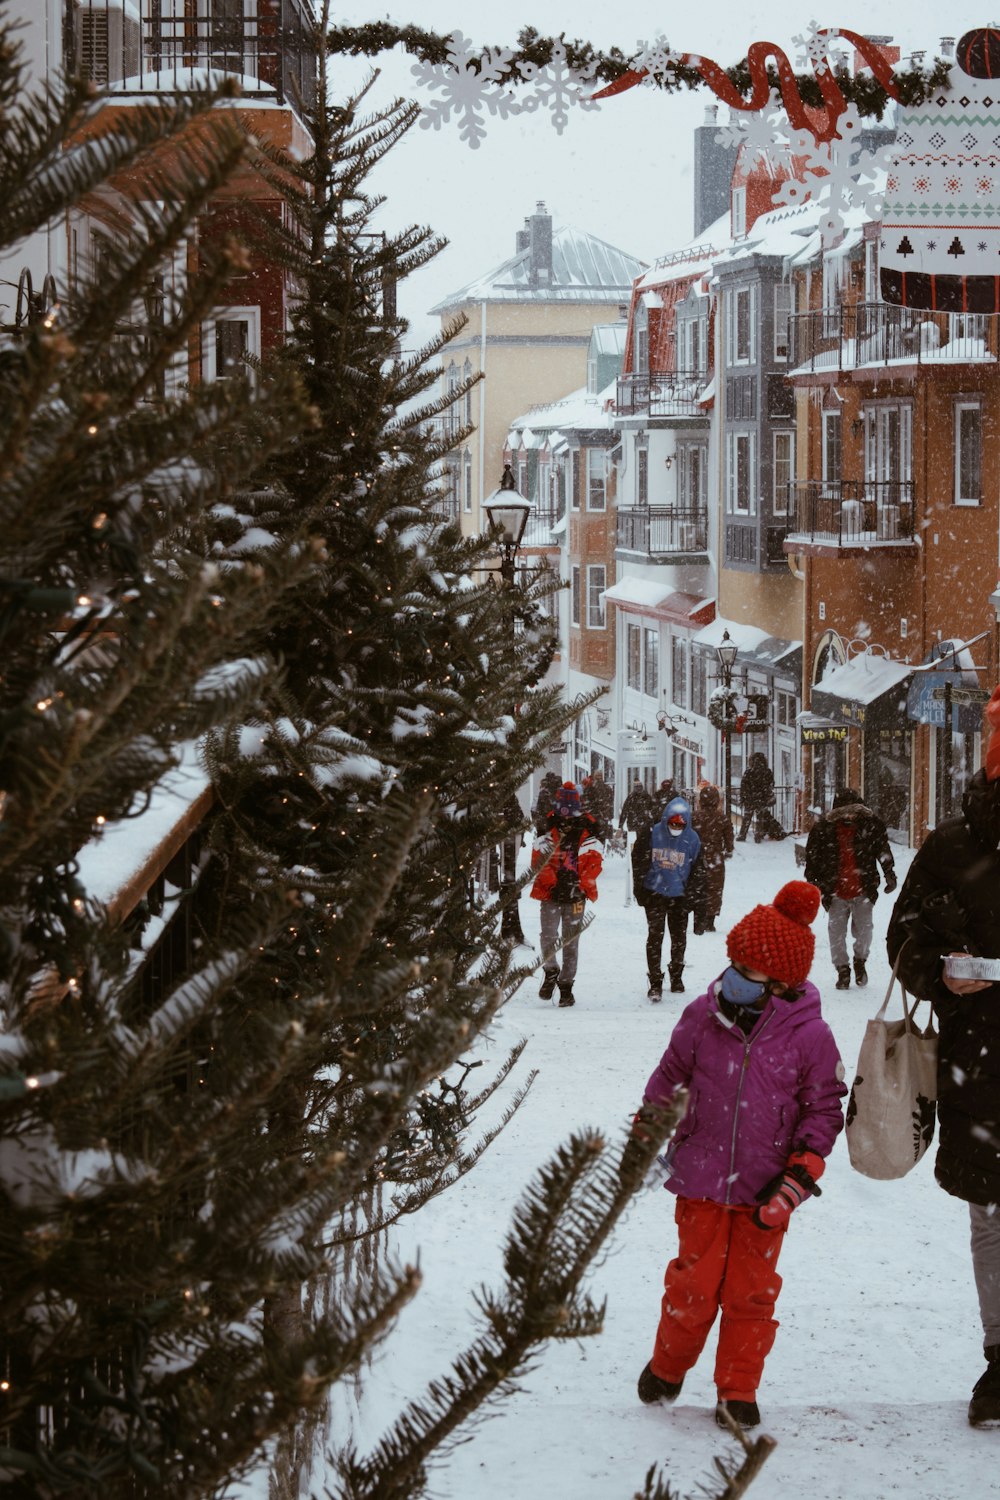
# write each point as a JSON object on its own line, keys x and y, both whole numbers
{"x": 581, "y": 408}
{"x": 859, "y": 682}
{"x": 584, "y": 269}
{"x": 747, "y": 637}
{"x": 608, "y": 338}
{"x": 648, "y": 596}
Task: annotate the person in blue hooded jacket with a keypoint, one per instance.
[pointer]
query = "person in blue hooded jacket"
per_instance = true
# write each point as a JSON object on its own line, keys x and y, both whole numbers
{"x": 665, "y": 861}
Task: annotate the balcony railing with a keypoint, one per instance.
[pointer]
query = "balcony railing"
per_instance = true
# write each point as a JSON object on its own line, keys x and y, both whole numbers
{"x": 852, "y": 513}
{"x": 144, "y": 46}
{"x": 655, "y": 530}
{"x": 538, "y": 531}
{"x": 662, "y": 393}
{"x": 876, "y": 333}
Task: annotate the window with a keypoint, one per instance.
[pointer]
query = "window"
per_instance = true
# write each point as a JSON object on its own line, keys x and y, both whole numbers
{"x": 739, "y": 204}
{"x": 467, "y": 376}
{"x": 633, "y": 656}
{"x": 651, "y": 663}
{"x": 968, "y": 453}
{"x": 642, "y": 351}
{"x": 782, "y": 318}
{"x": 678, "y": 670}
{"x": 693, "y": 459}
{"x": 873, "y": 291}
{"x": 833, "y": 269}
{"x": 784, "y": 470}
{"x": 740, "y": 463}
{"x": 575, "y": 596}
{"x": 888, "y": 446}
{"x": 227, "y": 339}
{"x": 831, "y": 451}
{"x": 642, "y": 476}
{"x": 522, "y": 477}
{"x": 699, "y": 683}
{"x": 784, "y": 709}
{"x": 592, "y": 376}
{"x": 596, "y": 584}
{"x": 467, "y": 483}
{"x": 693, "y": 346}
{"x": 596, "y": 479}
{"x": 574, "y": 478}
{"x": 741, "y": 331}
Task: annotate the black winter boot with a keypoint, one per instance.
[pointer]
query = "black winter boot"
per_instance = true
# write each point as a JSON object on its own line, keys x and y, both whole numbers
{"x": 860, "y": 972}
{"x": 743, "y": 1413}
{"x": 844, "y": 977}
{"x": 655, "y": 991}
{"x": 676, "y": 982}
{"x": 984, "y": 1408}
{"x": 651, "y": 1388}
{"x": 566, "y": 996}
{"x": 547, "y": 988}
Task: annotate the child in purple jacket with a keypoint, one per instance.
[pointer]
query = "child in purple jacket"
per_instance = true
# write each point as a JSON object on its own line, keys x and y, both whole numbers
{"x": 765, "y": 1084}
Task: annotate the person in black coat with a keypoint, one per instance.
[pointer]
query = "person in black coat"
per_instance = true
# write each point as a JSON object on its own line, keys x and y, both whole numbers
{"x": 756, "y": 796}
{"x": 844, "y": 852}
{"x": 637, "y": 809}
{"x": 545, "y": 801}
{"x": 950, "y": 903}
{"x": 599, "y": 801}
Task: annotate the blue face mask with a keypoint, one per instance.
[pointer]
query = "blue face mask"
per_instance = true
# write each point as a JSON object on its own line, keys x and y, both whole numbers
{"x": 740, "y": 990}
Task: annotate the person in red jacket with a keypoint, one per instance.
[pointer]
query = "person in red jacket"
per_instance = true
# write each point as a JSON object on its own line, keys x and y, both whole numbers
{"x": 568, "y": 860}
{"x": 844, "y": 852}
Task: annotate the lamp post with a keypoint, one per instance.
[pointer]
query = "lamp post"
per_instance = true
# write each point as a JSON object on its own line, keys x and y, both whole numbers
{"x": 727, "y": 651}
{"x": 507, "y": 514}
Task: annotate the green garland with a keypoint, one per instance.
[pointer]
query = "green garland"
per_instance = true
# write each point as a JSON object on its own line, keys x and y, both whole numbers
{"x": 915, "y": 84}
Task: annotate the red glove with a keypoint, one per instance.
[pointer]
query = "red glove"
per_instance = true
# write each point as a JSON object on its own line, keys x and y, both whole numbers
{"x": 784, "y": 1194}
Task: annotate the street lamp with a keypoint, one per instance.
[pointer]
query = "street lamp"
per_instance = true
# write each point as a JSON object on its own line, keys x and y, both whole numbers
{"x": 507, "y": 513}
{"x": 727, "y": 652}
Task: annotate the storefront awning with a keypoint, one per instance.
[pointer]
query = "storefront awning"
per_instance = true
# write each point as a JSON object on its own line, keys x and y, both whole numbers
{"x": 644, "y": 596}
{"x": 637, "y": 593}
{"x": 774, "y": 654}
{"x": 867, "y": 687}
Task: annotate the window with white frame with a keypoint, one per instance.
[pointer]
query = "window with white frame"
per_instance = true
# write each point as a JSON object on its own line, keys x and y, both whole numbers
{"x": 597, "y": 472}
{"x": 830, "y": 458}
{"x": 888, "y": 450}
{"x": 642, "y": 476}
{"x": 642, "y": 350}
{"x": 592, "y": 376}
{"x": 699, "y": 683}
{"x": 633, "y": 656}
{"x": 782, "y": 318}
{"x": 574, "y": 593}
{"x": 784, "y": 470}
{"x": 833, "y": 272}
{"x": 693, "y": 345}
{"x": 227, "y": 338}
{"x": 739, "y": 207}
{"x": 873, "y": 290}
{"x": 741, "y": 453}
{"x": 968, "y": 453}
{"x": 741, "y": 326}
{"x": 651, "y": 662}
{"x": 522, "y": 476}
{"x": 678, "y": 670}
{"x": 467, "y": 376}
{"x": 784, "y": 709}
{"x": 467, "y": 482}
{"x": 574, "y": 478}
{"x": 596, "y": 584}
{"x": 693, "y": 459}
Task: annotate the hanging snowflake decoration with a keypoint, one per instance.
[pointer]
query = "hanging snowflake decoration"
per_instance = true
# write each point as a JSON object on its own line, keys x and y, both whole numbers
{"x": 471, "y": 87}
{"x": 814, "y": 45}
{"x": 655, "y": 60}
{"x": 557, "y": 87}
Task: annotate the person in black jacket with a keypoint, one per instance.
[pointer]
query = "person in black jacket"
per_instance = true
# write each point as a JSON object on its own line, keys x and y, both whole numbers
{"x": 637, "y": 809}
{"x": 843, "y": 853}
{"x": 950, "y": 903}
{"x": 757, "y": 797}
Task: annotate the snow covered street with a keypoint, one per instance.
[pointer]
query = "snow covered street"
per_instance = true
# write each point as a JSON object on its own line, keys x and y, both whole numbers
{"x": 880, "y": 1342}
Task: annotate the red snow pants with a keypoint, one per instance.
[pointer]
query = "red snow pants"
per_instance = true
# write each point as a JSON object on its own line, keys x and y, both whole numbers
{"x": 723, "y": 1261}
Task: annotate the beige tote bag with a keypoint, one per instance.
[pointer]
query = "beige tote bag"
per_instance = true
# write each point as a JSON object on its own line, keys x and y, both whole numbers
{"x": 891, "y": 1110}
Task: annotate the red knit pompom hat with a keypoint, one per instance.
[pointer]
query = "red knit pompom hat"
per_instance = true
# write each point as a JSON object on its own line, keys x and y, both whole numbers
{"x": 776, "y": 940}
{"x": 993, "y": 748}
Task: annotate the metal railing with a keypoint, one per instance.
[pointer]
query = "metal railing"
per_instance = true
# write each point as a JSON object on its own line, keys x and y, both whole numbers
{"x": 877, "y": 333}
{"x": 656, "y": 529}
{"x": 538, "y": 531}
{"x": 662, "y": 393}
{"x": 139, "y": 46}
{"x": 852, "y": 511}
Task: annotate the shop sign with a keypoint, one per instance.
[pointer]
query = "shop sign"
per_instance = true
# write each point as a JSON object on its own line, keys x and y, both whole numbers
{"x": 740, "y": 713}
{"x": 927, "y": 701}
{"x": 824, "y": 734}
{"x": 636, "y": 751}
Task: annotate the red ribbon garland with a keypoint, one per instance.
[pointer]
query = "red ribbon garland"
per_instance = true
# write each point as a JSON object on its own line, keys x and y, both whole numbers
{"x": 757, "y": 59}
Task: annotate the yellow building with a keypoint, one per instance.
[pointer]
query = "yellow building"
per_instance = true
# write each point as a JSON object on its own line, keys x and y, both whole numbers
{"x": 528, "y": 330}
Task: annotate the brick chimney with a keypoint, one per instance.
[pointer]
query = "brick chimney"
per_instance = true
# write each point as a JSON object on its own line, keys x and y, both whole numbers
{"x": 540, "y": 246}
{"x": 713, "y": 172}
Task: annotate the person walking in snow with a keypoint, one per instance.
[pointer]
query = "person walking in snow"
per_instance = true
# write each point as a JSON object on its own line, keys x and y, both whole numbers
{"x": 950, "y": 904}
{"x": 757, "y": 796}
{"x": 637, "y": 810}
{"x": 844, "y": 852}
{"x": 568, "y": 860}
{"x": 765, "y": 1083}
{"x": 664, "y": 864}
{"x": 599, "y": 800}
{"x": 545, "y": 800}
{"x": 715, "y": 830}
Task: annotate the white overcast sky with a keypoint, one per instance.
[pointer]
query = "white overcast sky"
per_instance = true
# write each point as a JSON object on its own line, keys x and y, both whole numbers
{"x": 622, "y": 172}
